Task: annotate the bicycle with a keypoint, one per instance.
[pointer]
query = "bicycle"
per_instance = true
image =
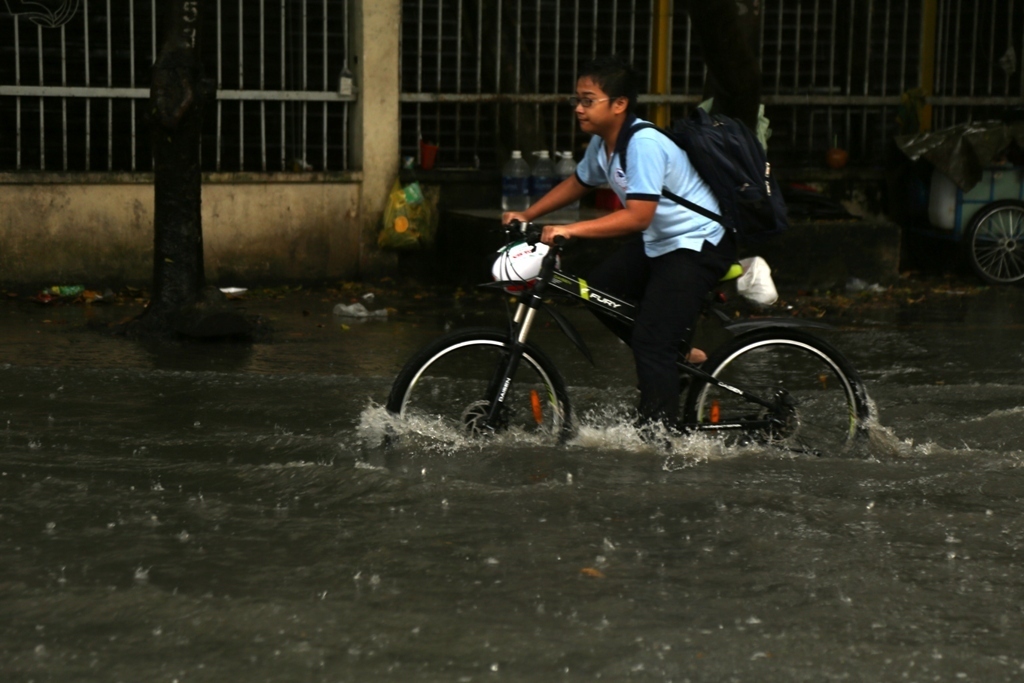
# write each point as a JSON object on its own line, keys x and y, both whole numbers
{"x": 771, "y": 384}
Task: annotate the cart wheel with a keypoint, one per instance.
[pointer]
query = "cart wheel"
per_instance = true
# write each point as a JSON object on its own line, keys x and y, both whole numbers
{"x": 995, "y": 242}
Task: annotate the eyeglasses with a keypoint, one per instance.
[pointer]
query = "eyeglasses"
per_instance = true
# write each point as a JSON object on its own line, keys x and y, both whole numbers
{"x": 587, "y": 102}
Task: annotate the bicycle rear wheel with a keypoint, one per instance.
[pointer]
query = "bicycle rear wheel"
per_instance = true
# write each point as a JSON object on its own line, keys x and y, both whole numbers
{"x": 820, "y": 403}
{"x": 453, "y": 381}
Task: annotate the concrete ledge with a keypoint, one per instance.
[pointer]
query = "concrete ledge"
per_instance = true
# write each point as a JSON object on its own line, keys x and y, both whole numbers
{"x": 826, "y": 254}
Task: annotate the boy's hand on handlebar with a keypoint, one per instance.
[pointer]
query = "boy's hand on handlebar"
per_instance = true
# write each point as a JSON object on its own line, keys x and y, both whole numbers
{"x": 552, "y": 232}
{"x": 509, "y": 216}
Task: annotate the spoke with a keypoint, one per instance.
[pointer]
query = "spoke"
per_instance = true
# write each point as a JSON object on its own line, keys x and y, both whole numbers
{"x": 999, "y": 225}
{"x": 993, "y": 226}
{"x": 987, "y": 256}
{"x": 1016, "y": 264}
{"x": 1017, "y": 231}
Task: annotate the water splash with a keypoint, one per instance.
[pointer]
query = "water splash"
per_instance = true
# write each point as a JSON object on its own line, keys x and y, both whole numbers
{"x": 377, "y": 428}
{"x": 610, "y": 429}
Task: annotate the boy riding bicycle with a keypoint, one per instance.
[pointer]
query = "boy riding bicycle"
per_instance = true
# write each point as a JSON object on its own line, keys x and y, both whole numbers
{"x": 674, "y": 256}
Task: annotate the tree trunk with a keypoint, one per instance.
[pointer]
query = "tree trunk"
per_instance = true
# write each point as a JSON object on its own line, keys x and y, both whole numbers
{"x": 179, "y": 305}
{"x": 176, "y": 120}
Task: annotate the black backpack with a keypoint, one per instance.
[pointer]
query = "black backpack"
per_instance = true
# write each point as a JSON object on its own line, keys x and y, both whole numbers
{"x": 732, "y": 162}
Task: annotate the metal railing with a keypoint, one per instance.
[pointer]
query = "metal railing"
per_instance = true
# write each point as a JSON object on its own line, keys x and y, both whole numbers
{"x": 478, "y": 75}
{"x": 74, "y": 87}
{"x": 472, "y": 67}
{"x": 979, "y": 48}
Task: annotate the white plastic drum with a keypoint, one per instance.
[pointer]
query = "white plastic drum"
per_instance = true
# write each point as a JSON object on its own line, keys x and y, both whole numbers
{"x": 942, "y": 201}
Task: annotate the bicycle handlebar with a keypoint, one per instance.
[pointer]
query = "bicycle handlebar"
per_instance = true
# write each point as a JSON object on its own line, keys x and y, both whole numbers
{"x": 531, "y": 232}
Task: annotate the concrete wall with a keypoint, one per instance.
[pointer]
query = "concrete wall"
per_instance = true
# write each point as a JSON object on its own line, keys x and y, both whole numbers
{"x": 98, "y": 228}
{"x": 102, "y": 232}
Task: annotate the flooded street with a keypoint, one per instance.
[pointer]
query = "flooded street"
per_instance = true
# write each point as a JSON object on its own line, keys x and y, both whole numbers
{"x": 232, "y": 513}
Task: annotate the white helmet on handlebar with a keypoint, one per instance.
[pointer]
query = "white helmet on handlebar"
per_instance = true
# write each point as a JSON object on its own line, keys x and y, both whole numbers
{"x": 519, "y": 262}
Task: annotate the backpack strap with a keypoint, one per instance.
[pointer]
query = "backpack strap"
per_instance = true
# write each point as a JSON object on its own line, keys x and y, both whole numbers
{"x": 707, "y": 213}
{"x": 620, "y": 148}
{"x": 626, "y": 134}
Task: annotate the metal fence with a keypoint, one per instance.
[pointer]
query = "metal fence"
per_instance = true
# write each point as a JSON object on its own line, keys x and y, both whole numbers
{"x": 833, "y": 71}
{"x": 833, "y": 74}
{"x": 471, "y": 68}
{"x": 979, "y": 46}
{"x": 477, "y": 74}
{"x": 74, "y": 85}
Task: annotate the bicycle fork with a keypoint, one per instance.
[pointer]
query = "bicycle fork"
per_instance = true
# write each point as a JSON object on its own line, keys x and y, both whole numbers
{"x": 526, "y": 313}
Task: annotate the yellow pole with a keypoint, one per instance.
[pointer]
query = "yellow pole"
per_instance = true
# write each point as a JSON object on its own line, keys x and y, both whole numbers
{"x": 660, "y": 114}
{"x": 929, "y": 23}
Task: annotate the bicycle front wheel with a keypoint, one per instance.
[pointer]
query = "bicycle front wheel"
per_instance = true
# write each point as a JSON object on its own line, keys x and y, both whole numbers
{"x": 818, "y": 401}
{"x": 453, "y": 382}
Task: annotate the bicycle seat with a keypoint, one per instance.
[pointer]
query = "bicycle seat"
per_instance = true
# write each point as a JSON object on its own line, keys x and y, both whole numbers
{"x": 735, "y": 270}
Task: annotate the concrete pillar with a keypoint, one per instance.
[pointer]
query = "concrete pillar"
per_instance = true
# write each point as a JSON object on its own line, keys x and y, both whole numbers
{"x": 375, "y": 62}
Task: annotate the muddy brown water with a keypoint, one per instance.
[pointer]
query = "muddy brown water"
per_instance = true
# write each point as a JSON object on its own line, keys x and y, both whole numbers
{"x": 229, "y": 513}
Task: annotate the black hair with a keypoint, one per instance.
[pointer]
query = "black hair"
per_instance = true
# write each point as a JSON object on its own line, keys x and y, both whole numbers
{"x": 615, "y": 76}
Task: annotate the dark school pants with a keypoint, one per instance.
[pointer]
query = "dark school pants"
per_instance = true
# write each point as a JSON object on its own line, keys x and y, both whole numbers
{"x": 668, "y": 291}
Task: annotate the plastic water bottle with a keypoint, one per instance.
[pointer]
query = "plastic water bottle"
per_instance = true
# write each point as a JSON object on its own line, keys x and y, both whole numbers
{"x": 566, "y": 169}
{"x": 543, "y": 177}
{"x": 515, "y": 184}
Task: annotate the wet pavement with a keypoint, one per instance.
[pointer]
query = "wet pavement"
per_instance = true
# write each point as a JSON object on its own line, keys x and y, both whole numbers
{"x": 212, "y": 512}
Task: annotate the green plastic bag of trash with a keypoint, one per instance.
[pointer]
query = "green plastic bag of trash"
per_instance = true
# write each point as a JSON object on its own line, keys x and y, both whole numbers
{"x": 410, "y": 219}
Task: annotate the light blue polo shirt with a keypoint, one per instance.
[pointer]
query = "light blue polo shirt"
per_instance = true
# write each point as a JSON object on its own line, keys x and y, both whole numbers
{"x": 654, "y": 161}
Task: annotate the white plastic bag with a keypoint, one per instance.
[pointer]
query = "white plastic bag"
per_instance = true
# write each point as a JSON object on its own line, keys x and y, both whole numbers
{"x": 756, "y": 282}
{"x": 357, "y": 310}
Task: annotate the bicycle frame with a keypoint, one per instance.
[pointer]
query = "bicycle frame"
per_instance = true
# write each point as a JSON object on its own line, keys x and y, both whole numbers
{"x": 531, "y": 299}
